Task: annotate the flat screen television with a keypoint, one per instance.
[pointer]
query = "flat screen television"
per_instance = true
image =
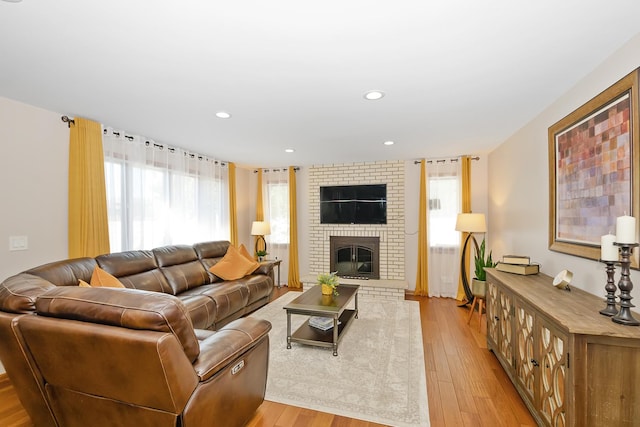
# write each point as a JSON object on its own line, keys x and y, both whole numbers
{"x": 353, "y": 204}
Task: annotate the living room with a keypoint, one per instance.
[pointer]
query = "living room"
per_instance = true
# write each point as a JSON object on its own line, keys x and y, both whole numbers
{"x": 510, "y": 180}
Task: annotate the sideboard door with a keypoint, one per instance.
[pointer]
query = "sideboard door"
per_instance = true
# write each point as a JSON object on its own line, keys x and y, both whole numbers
{"x": 553, "y": 375}
{"x": 525, "y": 356}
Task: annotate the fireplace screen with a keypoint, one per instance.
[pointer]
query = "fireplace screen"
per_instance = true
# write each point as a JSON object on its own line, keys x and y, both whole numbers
{"x": 355, "y": 257}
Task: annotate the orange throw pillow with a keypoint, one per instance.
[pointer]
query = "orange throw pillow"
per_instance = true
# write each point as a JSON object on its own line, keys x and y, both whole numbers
{"x": 102, "y": 279}
{"x": 232, "y": 266}
{"x": 83, "y": 284}
{"x": 255, "y": 264}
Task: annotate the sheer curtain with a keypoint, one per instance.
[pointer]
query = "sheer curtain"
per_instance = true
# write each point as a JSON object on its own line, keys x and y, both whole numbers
{"x": 275, "y": 191}
{"x": 444, "y": 202}
{"x": 159, "y": 195}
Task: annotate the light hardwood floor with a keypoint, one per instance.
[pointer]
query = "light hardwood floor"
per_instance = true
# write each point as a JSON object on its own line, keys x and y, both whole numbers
{"x": 465, "y": 384}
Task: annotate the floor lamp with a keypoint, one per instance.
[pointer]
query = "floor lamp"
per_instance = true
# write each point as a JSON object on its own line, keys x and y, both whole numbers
{"x": 260, "y": 229}
{"x": 469, "y": 223}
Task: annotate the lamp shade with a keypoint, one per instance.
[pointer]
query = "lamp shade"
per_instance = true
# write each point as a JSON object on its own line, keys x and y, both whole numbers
{"x": 471, "y": 223}
{"x": 260, "y": 228}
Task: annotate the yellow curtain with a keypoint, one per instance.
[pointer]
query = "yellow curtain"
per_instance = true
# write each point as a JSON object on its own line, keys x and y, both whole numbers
{"x": 88, "y": 221}
{"x": 466, "y": 208}
{"x": 422, "y": 277}
{"x": 294, "y": 271}
{"x": 259, "y": 206}
{"x": 233, "y": 215}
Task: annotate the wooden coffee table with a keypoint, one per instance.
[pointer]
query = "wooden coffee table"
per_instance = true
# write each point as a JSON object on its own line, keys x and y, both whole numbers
{"x": 313, "y": 303}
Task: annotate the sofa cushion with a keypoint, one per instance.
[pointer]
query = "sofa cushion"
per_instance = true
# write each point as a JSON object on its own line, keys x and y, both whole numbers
{"x": 210, "y": 253}
{"x": 66, "y": 272}
{"x": 136, "y": 270}
{"x": 18, "y": 293}
{"x": 127, "y": 308}
{"x": 202, "y": 310}
{"x": 229, "y": 297}
{"x": 233, "y": 265}
{"x": 259, "y": 286}
{"x": 181, "y": 267}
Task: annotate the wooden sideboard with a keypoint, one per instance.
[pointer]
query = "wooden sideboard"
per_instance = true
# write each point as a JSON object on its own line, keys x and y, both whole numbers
{"x": 571, "y": 365}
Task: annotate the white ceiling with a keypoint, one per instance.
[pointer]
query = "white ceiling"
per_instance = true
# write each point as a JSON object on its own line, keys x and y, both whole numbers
{"x": 460, "y": 76}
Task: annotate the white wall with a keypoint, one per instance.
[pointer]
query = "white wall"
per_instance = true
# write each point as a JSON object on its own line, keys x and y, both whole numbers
{"x": 519, "y": 180}
{"x": 33, "y": 173}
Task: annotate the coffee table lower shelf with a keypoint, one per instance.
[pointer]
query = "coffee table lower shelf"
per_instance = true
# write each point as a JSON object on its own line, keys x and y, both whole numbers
{"x": 307, "y": 334}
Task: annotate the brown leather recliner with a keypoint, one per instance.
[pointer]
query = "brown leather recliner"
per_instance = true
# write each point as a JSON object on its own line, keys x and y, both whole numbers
{"x": 132, "y": 358}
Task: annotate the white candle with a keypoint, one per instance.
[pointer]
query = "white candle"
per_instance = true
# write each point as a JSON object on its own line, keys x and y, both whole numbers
{"x": 608, "y": 252}
{"x": 625, "y": 229}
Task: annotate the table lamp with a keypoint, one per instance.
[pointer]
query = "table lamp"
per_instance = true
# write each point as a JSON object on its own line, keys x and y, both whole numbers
{"x": 469, "y": 223}
{"x": 260, "y": 229}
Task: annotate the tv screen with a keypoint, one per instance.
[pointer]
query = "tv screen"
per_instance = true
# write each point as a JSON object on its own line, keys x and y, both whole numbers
{"x": 353, "y": 204}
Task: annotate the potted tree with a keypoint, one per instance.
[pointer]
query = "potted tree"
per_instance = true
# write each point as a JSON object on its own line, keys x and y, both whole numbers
{"x": 479, "y": 283}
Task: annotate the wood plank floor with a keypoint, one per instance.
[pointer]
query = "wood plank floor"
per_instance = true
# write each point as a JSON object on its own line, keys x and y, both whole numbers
{"x": 465, "y": 384}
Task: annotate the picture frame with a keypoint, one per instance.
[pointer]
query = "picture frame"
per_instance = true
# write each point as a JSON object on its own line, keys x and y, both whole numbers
{"x": 593, "y": 170}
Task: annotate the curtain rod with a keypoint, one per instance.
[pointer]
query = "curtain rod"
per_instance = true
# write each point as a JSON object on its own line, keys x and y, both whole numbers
{"x": 295, "y": 168}
{"x": 67, "y": 120}
{"x": 161, "y": 147}
{"x": 454, "y": 159}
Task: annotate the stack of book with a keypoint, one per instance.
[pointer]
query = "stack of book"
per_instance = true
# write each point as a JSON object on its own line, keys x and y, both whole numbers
{"x": 517, "y": 264}
{"x": 322, "y": 323}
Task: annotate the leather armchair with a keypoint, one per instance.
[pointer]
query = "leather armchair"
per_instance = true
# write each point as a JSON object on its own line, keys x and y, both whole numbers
{"x": 132, "y": 358}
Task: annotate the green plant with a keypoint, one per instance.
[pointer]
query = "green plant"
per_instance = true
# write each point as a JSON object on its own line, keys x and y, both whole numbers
{"x": 329, "y": 279}
{"x": 482, "y": 262}
{"x": 261, "y": 253}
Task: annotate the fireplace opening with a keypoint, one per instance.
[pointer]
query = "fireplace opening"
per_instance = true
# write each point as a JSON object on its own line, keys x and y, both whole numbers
{"x": 355, "y": 257}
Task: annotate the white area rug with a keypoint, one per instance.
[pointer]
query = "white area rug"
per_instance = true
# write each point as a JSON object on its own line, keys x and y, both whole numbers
{"x": 377, "y": 376}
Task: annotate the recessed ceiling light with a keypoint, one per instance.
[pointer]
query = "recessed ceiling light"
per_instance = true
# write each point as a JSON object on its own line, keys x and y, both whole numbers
{"x": 223, "y": 115}
{"x": 289, "y": 150}
{"x": 388, "y": 143}
{"x": 373, "y": 95}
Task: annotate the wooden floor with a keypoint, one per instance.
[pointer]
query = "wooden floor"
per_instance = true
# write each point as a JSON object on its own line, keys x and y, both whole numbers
{"x": 465, "y": 384}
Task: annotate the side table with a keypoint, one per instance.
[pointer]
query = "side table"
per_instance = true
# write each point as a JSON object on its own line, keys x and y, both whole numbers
{"x": 276, "y": 263}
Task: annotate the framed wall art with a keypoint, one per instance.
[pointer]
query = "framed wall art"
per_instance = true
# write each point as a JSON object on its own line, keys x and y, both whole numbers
{"x": 593, "y": 170}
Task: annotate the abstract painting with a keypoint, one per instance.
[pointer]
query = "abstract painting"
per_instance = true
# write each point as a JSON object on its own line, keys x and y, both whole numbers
{"x": 593, "y": 167}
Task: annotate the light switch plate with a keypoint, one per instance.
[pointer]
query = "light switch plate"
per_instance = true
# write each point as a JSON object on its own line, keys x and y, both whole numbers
{"x": 18, "y": 243}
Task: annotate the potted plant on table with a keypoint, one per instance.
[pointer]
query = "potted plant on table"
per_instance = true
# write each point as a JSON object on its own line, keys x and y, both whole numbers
{"x": 261, "y": 254}
{"x": 479, "y": 283}
{"x": 329, "y": 283}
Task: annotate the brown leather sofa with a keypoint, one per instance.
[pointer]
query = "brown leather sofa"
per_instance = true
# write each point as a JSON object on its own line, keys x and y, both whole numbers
{"x": 172, "y": 350}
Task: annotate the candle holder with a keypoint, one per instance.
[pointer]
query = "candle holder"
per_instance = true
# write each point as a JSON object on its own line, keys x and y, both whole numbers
{"x": 610, "y": 287}
{"x": 624, "y": 316}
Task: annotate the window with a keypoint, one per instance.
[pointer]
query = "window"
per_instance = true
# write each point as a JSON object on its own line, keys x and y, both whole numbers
{"x": 278, "y": 204}
{"x": 275, "y": 201}
{"x": 159, "y": 195}
{"x": 444, "y": 202}
{"x": 444, "y": 194}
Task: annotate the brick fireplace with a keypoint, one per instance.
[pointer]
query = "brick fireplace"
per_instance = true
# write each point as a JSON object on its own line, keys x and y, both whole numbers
{"x": 390, "y": 235}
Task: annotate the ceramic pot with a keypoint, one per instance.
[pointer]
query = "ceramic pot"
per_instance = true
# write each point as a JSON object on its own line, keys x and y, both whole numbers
{"x": 326, "y": 289}
{"x": 479, "y": 288}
